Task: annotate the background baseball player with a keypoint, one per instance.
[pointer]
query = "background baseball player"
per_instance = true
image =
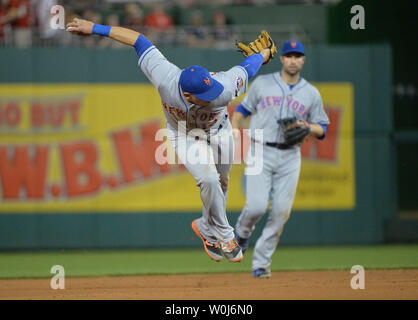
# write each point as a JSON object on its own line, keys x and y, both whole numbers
{"x": 287, "y": 108}
{"x": 194, "y": 103}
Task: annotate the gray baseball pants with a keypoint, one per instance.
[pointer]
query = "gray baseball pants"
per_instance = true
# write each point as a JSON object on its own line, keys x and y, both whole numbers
{"x": 278, "y": 180}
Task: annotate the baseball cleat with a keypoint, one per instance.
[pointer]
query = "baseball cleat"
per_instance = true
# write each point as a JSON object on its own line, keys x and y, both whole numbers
{"x": 262, "y": 273}
{"x": 242, "y": 242}
{"x": 212, "y": 249}
{"x": 232, "y": 251}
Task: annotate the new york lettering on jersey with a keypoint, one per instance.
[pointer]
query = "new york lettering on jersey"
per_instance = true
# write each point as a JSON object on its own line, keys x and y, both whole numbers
{"x": 197, "y": 117}
{"x": 165, "y": 77}
{"x": 271, "y": 99}
{"x": 291, "y": 104}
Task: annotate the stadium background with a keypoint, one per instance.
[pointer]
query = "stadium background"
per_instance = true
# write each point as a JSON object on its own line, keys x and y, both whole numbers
{"x": 78, "y": 120}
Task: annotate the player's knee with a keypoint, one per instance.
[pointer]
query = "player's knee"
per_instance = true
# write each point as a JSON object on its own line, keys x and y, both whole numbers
{"x": 224, "y": 183}
{"x": 282, "y": 212}
{"x": 256, "y": 208}
{"x": 209, "y": 181}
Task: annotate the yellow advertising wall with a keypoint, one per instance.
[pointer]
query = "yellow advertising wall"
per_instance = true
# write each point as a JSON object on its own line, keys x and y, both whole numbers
{"x": 91, "y": 147}
{"x": 327, "y": 178}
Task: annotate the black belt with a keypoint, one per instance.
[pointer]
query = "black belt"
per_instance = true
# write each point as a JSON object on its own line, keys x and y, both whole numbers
{"x": 281, "y": 146}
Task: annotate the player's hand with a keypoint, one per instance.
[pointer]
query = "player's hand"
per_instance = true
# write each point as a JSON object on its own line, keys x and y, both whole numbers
{"x": 302, "y": 123}
{"x": 80, "y": 27}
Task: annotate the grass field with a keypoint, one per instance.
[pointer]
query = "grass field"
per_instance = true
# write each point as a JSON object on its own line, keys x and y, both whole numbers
{"x": 187, "y": 261}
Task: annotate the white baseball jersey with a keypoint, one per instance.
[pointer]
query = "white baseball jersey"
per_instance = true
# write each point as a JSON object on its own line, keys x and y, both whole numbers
{"x": 165, "y": 77}
{"x": 182, "y": 117}
{"x": 270, "y": 99}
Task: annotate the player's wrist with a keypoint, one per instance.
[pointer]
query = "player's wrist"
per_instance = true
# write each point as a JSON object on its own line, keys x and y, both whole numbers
{"x": 265, "y": 53}
{"x": 308, "y": 125}
{"x": 101, "y": 30}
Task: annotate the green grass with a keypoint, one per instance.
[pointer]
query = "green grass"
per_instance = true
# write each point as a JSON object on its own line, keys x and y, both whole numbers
{"x": 142, "y": 262}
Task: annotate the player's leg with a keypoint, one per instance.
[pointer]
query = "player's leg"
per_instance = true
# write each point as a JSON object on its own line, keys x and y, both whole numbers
{"x": 222, "y": 145}
{"x": 213, "y": 223}
{"x": 197, "y": 157}
{"x": 285, "y": 182}
{"x": 257, "y": 192}
{"x": 223, "y": 170}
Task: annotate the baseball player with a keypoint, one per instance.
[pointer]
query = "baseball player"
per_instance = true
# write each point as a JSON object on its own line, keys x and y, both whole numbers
{"x": 287, "y": 108}
{"x": 194, "y": 103}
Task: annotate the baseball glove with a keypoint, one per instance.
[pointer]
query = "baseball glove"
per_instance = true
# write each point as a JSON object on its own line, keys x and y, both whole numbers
{"x": 294, "y": 131}
{"x": 264, "y": 41}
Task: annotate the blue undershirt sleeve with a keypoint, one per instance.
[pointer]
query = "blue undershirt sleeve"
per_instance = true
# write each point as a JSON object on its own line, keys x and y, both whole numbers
{"x": 324, "y": 126}
{"x": 243, "y": 111}
{"x": 252, "y": 64}
{"x": 142, "y": 44}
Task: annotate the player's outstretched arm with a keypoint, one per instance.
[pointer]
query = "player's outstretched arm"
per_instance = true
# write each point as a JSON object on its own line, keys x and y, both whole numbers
{"x": 253, "y": 63}
{"x": 86, "y": 28}
{"x": 236, "y": 122}
{"x": 155, "y": 68}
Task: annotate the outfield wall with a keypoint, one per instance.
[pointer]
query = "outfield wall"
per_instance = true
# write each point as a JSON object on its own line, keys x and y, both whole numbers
{"x": 77, "y": 143}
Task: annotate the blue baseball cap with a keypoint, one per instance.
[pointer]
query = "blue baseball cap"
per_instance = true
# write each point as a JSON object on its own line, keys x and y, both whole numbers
{"x": 293, "y": 46}
{"x": 197, "y": 81}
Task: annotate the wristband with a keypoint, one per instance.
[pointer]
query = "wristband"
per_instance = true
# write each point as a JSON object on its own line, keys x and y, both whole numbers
{"x": 101, "y": 30}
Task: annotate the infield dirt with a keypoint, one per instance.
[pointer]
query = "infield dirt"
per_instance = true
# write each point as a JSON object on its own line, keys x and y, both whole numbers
{"x": 312, "y": 285}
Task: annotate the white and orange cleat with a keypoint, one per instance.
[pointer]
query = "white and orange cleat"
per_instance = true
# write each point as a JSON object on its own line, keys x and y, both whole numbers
{"x": 232, "y": 251}
{"x": 212, "y": 249}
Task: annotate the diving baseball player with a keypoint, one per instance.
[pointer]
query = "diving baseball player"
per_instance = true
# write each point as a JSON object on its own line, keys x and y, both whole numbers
{"x": 194, "y": 103}
{"x": 287, "y": 108}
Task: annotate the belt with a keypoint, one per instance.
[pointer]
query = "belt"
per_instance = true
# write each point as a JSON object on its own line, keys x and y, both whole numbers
{"x": 281, "y": 146}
